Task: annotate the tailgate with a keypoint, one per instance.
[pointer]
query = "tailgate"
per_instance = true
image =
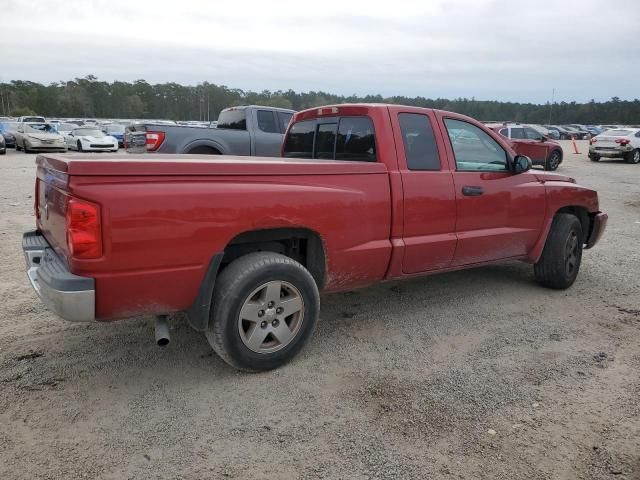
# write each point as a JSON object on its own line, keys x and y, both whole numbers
{"x": 51, "y": 196}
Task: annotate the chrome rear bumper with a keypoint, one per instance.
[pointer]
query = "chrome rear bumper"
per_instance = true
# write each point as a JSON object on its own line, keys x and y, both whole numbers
{"x": 67, "y": 295}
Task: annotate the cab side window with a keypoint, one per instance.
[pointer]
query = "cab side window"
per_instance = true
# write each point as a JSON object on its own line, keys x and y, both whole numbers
{"x": 267, "y": 122}
{"x": 420, "y": 146}
{"x": 474, "y": 149}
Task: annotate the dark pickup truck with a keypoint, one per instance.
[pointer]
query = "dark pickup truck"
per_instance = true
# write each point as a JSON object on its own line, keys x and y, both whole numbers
{"x": 246, "y": 131}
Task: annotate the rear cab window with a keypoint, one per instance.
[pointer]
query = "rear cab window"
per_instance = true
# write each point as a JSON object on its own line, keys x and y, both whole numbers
{"x": 233, "y": 119}
{"x": 336, "y": 138}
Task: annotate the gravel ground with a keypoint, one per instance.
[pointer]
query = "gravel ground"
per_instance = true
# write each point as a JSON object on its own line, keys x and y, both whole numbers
{"x": 476, "y": 374}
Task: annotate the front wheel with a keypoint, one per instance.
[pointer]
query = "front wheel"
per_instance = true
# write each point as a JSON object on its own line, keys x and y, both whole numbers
{"x": 3, "y": 151}
{"x": 554, "y": 160}
{"x": 594, "y": 157}
{"x": 560, "y": 261}
{"x": 79, "y": 146}
{"x": 633, "y": 157}
{"x": 26, "y": 147}
{"x": 265, "y": 308}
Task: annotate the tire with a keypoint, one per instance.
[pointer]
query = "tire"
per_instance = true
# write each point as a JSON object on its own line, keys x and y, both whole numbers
{"x": 594, "y": 158}
{"x": 247, "y": 284}
{"x": 3, "y": 151}
{"x": 554, "y": 160}
{"x": 633, "y": 157}
{"x": 79, "y": 146}
{"x": 18, "y": 148}
{"x": 25, "y": 148}
{"x": 559, "y": 264}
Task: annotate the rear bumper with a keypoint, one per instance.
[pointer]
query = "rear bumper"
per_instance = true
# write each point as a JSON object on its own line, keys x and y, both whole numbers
{"x": 69, "y": 296}
{"x": 599, "y": 225}
{"x": 616, "y": 152}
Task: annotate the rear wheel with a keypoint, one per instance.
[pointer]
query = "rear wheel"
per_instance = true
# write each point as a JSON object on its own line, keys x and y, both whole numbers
{"x": 633, "y": 157}
{"x": 18, "y": 147}
{"x": 594, "y": 158}
{"x": 265, "y": 308}
{"x": 560, "y": 261}
{"x": 3, "y": 151}
{"x": 79, "y": 146}
{"x": 554, "y": 160}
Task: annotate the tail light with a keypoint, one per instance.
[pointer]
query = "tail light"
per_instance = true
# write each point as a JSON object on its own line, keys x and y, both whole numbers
{"x": 154, "y": 140}
{"x": 84, "y": 232}
{"x": 592, "y": 141}
{"x": 623, "y": 141}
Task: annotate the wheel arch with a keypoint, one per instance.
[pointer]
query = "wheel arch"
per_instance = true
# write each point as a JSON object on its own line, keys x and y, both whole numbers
{"x": 580, "y": 211}
{"x": 301, "y": 244}
{"x": 204, "y": 146}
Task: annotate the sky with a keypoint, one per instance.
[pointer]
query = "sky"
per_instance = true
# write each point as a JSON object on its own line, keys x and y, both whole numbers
{"x": 485, "y": 49}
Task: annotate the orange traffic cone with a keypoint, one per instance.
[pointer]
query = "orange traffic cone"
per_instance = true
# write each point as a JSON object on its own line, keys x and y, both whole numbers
{"x": 575, "y": 147}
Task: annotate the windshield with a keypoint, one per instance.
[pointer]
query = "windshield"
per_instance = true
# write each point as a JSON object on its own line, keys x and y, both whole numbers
{"x": 115, "y": 129}
{"x": 8, "y": 126}
{"x": 40, "y": 128}
{"x": 89, "y": 132}
{"x": 66, "y": 127}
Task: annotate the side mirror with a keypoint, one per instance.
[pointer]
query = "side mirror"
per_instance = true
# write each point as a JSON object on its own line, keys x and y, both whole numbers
{"x": 521, "y": 163}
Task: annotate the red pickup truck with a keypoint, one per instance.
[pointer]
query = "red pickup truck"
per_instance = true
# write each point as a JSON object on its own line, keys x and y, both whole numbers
{"x": 364, "y": 193}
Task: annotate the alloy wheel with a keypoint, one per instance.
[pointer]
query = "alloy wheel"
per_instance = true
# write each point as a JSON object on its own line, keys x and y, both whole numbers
{"x": 271, "y": 317}
{"x": 571, "y": 253}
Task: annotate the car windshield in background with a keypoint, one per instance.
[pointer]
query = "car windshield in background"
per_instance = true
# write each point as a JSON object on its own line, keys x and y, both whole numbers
{"x": 8, "y": 126}
{"x": 66, "y": 127}
{"x": 115, "y": 129}
{"x": 87, "y": 132}
{"x": 234, "y": 119}
{"x": 40, "y": 128}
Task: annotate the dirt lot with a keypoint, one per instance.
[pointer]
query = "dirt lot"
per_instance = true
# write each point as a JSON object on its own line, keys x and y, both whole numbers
{"x": 477, "y": 374}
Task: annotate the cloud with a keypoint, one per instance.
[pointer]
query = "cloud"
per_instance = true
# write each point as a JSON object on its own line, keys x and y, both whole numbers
{"x": 457, "y": 48}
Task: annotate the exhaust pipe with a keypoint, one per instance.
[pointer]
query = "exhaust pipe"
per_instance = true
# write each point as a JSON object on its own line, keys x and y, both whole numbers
{"x": 162, "y": 331}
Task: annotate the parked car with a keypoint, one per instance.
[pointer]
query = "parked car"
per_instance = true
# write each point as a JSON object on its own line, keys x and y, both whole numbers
{"x": 563, "y": 133}
{"x": 38, "y": 137}
{"x": 116, "y": 131}
{"x": 618, "y": 143}
{"x": 577, "y": 133}
{"x": 65, "y": 128}
{"x": 249, "y": 130}
{"x": 528, "y": 141}
{"x": 3, "y": 145}
{"x": 594, "y": 130}
{"x": 31, "y": 119}
{"x": 7, "y": 129}
{"x": 365, "y": 193}
{"x": 91, "y": 139}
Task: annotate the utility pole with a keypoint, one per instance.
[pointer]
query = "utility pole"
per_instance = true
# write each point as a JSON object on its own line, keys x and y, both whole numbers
{"x": 553, "y": 94}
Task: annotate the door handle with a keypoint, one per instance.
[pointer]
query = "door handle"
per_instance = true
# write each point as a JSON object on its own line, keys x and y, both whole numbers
{"x": 471, "y": 191}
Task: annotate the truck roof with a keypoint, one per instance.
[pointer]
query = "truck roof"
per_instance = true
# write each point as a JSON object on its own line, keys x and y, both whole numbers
{"x": 243, "y": 107}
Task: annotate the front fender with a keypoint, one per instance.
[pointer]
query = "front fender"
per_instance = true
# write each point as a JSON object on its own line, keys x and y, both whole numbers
{"x": 563, "y": 196}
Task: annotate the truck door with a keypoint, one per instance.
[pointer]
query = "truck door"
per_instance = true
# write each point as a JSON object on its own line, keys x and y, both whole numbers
{"x": 499, "y": 213}
{"x": 429, "y": 198}
{"x": 267, "y": 138}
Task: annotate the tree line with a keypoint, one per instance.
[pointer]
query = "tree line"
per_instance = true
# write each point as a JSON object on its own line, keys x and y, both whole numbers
{"x": 89, "y": 97}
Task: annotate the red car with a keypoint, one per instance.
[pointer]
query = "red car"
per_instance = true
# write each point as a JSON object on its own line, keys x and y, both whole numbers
{"x": 244, "y": 246}
{"x": 528, "y": 141}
